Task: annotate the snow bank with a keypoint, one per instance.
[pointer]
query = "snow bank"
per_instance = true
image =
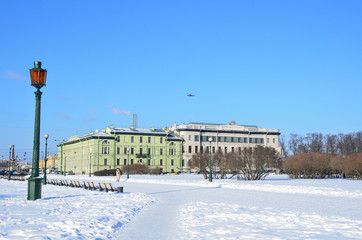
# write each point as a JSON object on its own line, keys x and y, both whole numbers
{"x": 203, "y": 220}
{"x": 65, "y": 212}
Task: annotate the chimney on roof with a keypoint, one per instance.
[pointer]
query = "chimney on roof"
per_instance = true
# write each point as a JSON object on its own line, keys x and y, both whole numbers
{"x": 232, "y": 123}
{"x": 134, "y": 121}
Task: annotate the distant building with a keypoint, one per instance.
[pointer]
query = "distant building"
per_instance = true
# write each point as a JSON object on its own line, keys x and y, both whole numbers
{"x": 52, "y": 162}
{"x": 114, "y": 147}
{"x": 224, "y": 137}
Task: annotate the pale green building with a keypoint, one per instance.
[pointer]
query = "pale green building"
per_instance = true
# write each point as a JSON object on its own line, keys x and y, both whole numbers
{"x": 114, "y": 147}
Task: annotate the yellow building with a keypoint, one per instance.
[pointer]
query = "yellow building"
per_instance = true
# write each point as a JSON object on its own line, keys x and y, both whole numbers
{"x": 51, "y": 163}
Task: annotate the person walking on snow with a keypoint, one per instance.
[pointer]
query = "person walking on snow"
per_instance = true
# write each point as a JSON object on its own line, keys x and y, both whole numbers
{"x": 118, "y": 174}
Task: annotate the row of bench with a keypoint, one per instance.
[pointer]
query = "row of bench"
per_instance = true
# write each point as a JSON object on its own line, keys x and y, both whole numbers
{"x": 87, "y": 185}
{"x": 13, "y": 177}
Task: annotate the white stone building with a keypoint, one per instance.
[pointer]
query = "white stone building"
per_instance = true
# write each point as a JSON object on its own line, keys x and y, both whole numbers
{"x": 227, "y": 138}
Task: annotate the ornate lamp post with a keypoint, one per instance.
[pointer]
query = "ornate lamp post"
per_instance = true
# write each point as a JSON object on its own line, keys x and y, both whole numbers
{"x": 127, "y": 163}
{"x": 210, "y": 175}
{"x": 46, "y": 136}
{"x": 10, "y": 147}
{"x": 90, "y": 164}
{"x": 38, "y": 80}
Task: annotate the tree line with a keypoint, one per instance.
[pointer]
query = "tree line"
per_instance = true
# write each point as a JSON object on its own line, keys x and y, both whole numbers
{"x": 319, "y": 156}
{"x": 324, "y": 165}
{"x": 319, "y": 143}
{"x": 248, "y": 164}
{"x": 312, "y": 156}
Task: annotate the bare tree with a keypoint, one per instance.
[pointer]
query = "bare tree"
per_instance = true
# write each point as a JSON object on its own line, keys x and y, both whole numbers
{"x": 298, "y": 144}
{"x": 283, "y": 145}
{"x": 254, "y": 162}
{"x": 200, "y": 161}
{"x": 331, "y": 143}
{"x": 315, "y": 142}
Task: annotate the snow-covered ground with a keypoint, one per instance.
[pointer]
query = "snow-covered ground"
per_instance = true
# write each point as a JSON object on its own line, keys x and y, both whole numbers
{"x": 185, "y": 207}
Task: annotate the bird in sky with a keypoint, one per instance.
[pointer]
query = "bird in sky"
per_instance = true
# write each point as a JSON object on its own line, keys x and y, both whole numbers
{"x": 190, "y": 95}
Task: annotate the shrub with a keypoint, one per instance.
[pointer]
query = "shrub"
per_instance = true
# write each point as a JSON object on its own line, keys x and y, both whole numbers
{"x": 105, "y": 172}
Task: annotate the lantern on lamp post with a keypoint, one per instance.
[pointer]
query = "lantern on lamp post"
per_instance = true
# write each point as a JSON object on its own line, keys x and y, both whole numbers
{"x": 46, "y": 136}
{"x": 38, "y": 80}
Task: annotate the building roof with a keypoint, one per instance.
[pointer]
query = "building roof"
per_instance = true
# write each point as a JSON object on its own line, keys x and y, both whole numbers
{"x": 223, "y": 128}
{"x": 118, "y": 131}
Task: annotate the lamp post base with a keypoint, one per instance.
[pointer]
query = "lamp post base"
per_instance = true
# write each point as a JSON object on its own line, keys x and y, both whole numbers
{"x": 34, "y": 188}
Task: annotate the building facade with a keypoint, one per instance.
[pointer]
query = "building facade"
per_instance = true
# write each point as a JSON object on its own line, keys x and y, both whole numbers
{"x": 116, "y": 147}
{"x": 52, "y": 162}
{"x": 225, "y": 138}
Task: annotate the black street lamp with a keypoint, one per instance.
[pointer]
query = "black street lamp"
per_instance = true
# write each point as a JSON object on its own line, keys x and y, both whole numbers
{"x": 38, "y": 80}
{"x": 10, "y": 147}
{"x": 210, "y": 175}
{"x": 128, "y": 163}
{"x": 90, "y": 164}
{"x": 46, "y": 136}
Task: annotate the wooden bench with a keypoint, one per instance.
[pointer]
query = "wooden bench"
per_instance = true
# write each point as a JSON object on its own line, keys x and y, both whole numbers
{"x": 63, "y": 182}
{"x": 89, "y": 185}
{"x": 76, "y": 184}
{"x": 55, "y": 182}
{"x": 86, "y": 185}
{"x": 110, "y": 187}
{"x": 102, "y": 186}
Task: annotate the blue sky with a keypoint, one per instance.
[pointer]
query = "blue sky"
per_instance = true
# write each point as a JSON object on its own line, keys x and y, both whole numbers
{"x": 291, "y": 65}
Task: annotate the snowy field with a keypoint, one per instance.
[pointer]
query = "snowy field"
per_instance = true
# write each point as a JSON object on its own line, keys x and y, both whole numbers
{"x": 185, "y": 207}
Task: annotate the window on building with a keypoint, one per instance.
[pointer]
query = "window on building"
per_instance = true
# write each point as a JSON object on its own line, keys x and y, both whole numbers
{"x": 132, "y": 150}
{"x": 171, "y": 151}
{"x": 105, "y": 162}
{"x": 118, "y": 161}
{"x": 149, "y": 139}
{"x": 131, "y": 161}
{"x": 132, "y": 139}
{"x": 190, "y": 149}
{"x": 273, "y": 140}
{"x": 232, "y": 149}
{"x": 118, "y": 150}
{"x": 196, "y": 149}
{"x": 160, "y": 162}
{"x": 239, "y": 150}
{"x": 161, "y": 140}
{"x": 140, "y": 160}
{"x": 149, "y": 151}
{"x": 196, "y": 138}
{"x": 105, "y": 150}
{"x": 171, "y": 162}
{"x": 226, "y": 150}
{"x": 161, "y": 151}
{"x": 219, "y": 149}
{"x": 267, "y": 140}
{"x": 124, "y": 161}
{"x": 189, "y": 137}
{"x": 213, "y": 149}
{"x": 141, "y": 139}
{"x": 201, "y": 148}
{"x": 125, "y": 150}
{"x": 118, "y": 139}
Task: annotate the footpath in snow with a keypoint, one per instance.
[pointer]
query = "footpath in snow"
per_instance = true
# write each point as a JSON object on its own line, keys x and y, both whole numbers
{"x": 185, "y": 207}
